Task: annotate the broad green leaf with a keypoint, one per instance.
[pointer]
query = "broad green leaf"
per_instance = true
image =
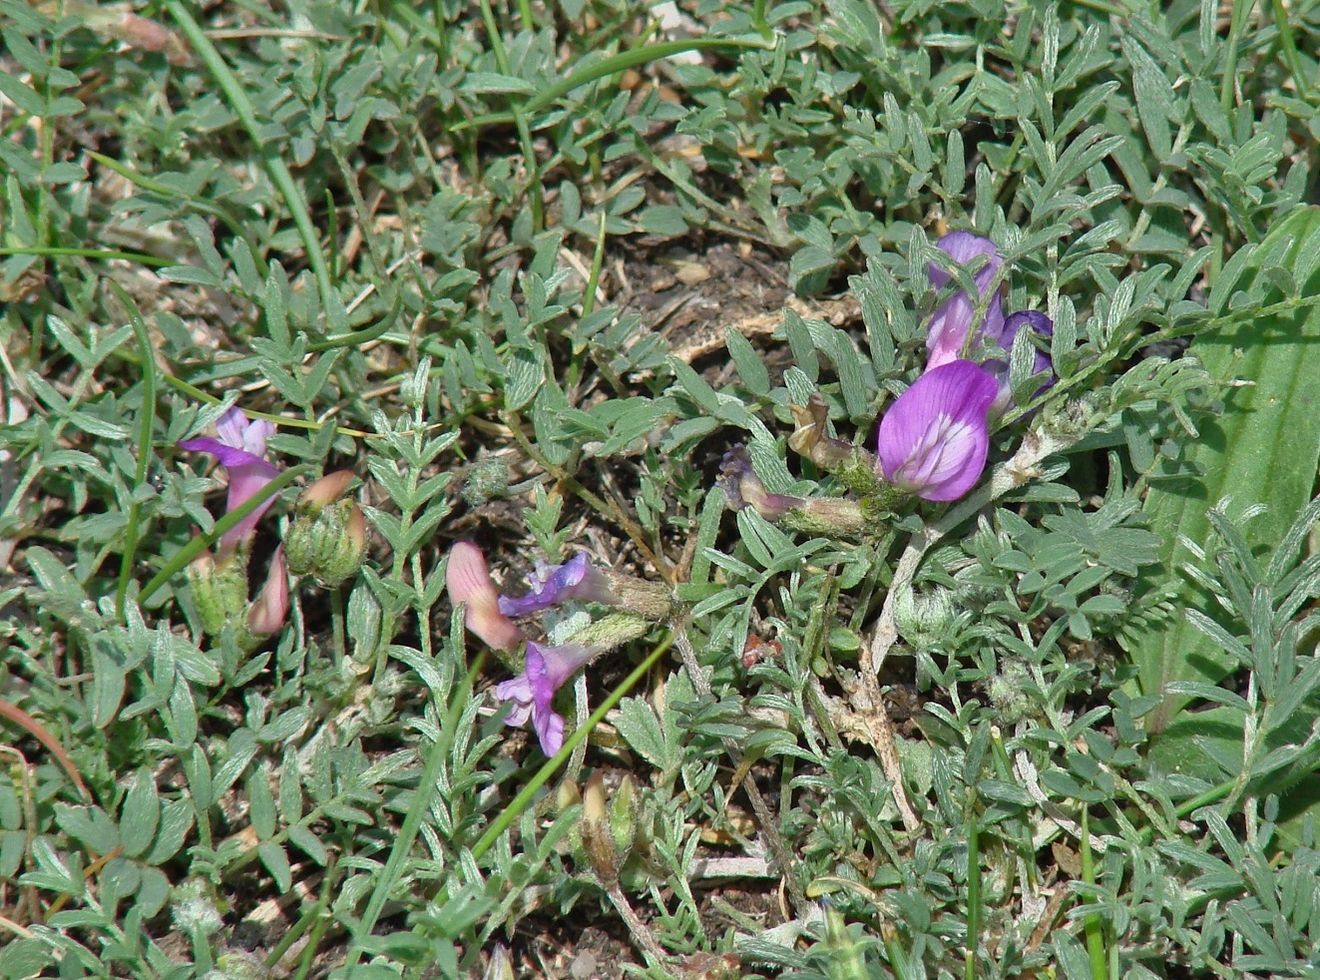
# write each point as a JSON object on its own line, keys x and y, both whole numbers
{"x": 1263, "y": 449}
{"x": 140, "y": 816}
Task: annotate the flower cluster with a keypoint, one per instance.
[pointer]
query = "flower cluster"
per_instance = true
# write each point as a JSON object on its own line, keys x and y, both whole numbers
{"x": 934, "y": 439}
{"x": 546, "y": 668}
{"x": 327, "y": 538}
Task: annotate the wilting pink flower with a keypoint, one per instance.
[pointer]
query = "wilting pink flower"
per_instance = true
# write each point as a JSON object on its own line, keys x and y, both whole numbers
{"x": 576, "y": 579}
{"x": 468, "y": 580}
{"x": 743, "y": 488}
{"x": 268, "y": 612}
{"x": 934, "y": 439}
{"x": 241, "y": 450}
{"x": 946, "y": 336}
{"x": 533, "y": 691}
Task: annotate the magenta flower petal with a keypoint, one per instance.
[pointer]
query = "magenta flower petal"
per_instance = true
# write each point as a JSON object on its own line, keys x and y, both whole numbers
{"x": 934, "y": 439}
{"x": 947, "y": 332}
{"x": 518, "y": 692}
{"x": 468, "y": 581}
{"x": 532, "y": 692}
{"x": 576, "y": 579}
{"x": 241, "y": 451}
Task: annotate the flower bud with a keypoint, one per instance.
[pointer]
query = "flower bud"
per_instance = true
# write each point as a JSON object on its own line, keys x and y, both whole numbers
{"x": 239, "y": 964}
{"x": 268, "y": 612}
{"x": 325, "y": 491}
{"x": 652, "y": 600}
{"x": 743, "y": 488}
{"x": 487, "y": 478}
{"x": 829, "y": 516}
{"x": 220, "y": 590}
{"x": 328, "y": 537}
{"x": 854, "y": 466}
{"x": 623, "y": 817}
{"x": 567, "y": 796}
{"x": 467, "y": 579}
{"x": 1009, "y": 690}
{"x": 612, "y": 631}
{"x": 596, "y": 836}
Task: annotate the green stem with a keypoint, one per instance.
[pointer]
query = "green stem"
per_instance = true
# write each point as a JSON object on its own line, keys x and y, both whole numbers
{"x": 356, "y": 338}
{"x": 597, "y": 260}
{"x": 1095, "y": 940}
{"x": 270, "y": 158}
{"x": 200, "y": 395}
{"x": 604, "y": 68}
{"x": 974, "y": 898}
{"x": 180, "y": 559}
{"x": 412, "y": 822}
{"x": 519, "y": 119}
{"x": 1289, "y": 46}
{"x": 147, "y": 422}
{"x": 173, "y": 193}
{"x": 87, "y": 253}
{"x": 322, "y": 922}
{"x": 525, "y": 796}
{"x": 1241, "y": 9}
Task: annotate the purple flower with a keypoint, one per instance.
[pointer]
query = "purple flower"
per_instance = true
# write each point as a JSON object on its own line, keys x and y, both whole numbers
{"x": 1037, "y": 323}
{"x": 935, "y": 437}
{"x": 947, "y": 334}
{"x": 241, "y": 450}
{"x": 576, "y": 579}
{"x": 532, "y": 692}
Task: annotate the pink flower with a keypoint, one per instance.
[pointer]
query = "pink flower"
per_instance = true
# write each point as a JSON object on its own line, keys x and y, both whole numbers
{"x": 268, "y": 612}
{"x": 241, "y": 450}
{"x": 947, "y": 334}
{"x": 533, "y": 691}
{"x": 468, "y": 581}
{"x": 935, "y": 438}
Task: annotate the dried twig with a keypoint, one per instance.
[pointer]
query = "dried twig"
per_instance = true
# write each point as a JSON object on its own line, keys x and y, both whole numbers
{"x": 38, "y": 731}
{"x": 1010, "y": 475}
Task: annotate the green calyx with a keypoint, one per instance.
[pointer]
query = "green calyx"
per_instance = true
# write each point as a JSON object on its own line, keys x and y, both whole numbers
{"x": 328, "y": 542}
{"x": 220, "y": 589}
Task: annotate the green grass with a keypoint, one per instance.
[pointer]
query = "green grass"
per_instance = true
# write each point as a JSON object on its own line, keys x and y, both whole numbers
{"x": 530, "y": 271}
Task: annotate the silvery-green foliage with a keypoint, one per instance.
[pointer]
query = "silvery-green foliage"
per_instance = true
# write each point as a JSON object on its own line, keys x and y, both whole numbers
{"x": 441, "y": 314}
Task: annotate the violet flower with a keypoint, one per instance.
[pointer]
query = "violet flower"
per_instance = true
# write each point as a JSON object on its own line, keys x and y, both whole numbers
{"x": 241, "y": 450}
{"x": 468, "y": 581}
{"x": 532, "y": 692}
{"x": 1037, "y": 323}
{"x": 934, "y": 439}
{"x": 946, "y": 336}
{"x": 576, "y": 579}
